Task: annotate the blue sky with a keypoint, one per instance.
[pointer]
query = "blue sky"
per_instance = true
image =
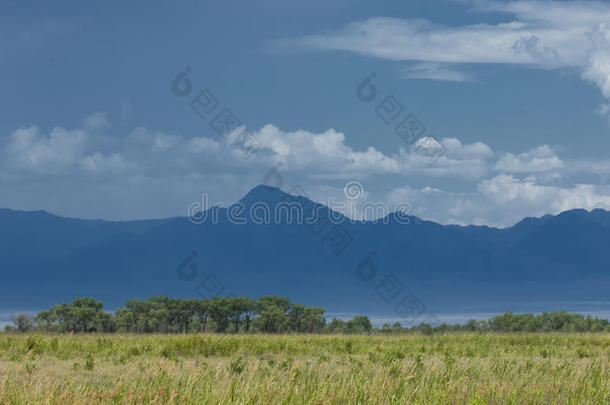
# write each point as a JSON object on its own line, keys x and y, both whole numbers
{"x": 516, "y": 92}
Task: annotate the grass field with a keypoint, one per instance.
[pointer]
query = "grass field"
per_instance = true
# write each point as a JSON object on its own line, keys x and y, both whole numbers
{"x": 202, "y": 369}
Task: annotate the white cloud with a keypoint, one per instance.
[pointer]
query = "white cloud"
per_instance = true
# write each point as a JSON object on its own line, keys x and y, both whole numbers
{"x": 546, "y": 34}
{"x": 401, "y": 40}
{"x": 436, "y": 71}
{"x": 60, "y": 152}
{"x": 328, "y": 154}
{"x": 539, "y": 159}
{"x": 29, "y": 150}
{"x": 564, "y": 13}
{"x": 326, "y": 151}
{"x": 97, "y": 162}
{"x": 603, "y": 109}
{"x": 465, "y": 161}
{"x": 201, "y": 144}
{"x": 500, "y": 201}
{"x": 598, "y": 68}
{"x": 508, "y": 190}
{"x": 95, "y": 121}
{"x": 476, "y": 150}
{"x": 114, "y": 175}
{"x": 325, "y": 154}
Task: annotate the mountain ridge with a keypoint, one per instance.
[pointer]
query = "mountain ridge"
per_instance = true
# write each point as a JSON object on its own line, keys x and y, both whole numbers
{"x": 45, "y": 258}
{"x": 254, "y": 195}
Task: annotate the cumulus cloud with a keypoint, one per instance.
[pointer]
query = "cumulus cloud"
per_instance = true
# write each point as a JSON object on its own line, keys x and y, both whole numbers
{"x": 545, "y": 34}
{"x": 31, "y": 151}
{"x": 539, "y": 159}
{"x": 62, "y": 151}
{"x": 149, "y": 173}
{"x": 509, "y": 190}
{"x": 598, "y": 68}
{"x": 476, "y": 150}
{"x": 500, "y": 201}
{"x": 146, "y": 152}
{"x": 327, "y": 153}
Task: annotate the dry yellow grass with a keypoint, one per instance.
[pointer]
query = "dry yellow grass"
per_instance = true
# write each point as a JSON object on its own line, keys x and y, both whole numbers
{"x": 319, "y": 369}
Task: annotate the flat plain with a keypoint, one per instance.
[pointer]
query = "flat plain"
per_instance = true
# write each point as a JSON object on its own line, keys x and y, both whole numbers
{"x": 319, "y": 369}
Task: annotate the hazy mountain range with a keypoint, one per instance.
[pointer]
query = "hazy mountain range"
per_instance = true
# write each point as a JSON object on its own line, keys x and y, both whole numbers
{"x": 46, "y": 259}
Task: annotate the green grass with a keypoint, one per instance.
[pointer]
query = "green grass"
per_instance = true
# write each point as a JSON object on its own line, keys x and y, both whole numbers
{"x": 438, "y": 369}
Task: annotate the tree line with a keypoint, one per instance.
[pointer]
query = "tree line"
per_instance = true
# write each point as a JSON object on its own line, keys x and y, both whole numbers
{"x": 268, "y": 314}
{"x": 560, "y": 321}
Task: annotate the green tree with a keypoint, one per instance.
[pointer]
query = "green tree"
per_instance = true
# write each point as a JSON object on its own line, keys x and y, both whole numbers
{"x": 45, "y": 319}
{"x": 250, "y": 307}
{"x": 313, "y": 320}
{"x": 296, "y": 312}
{"x": 272, "y": 319}
{"x": 202, "y": 311}
{"x": 22, "y": 322}
{"x": 337, "y": 326}
{"x": 359, "y": 324}
{"x": 219, "y": 312}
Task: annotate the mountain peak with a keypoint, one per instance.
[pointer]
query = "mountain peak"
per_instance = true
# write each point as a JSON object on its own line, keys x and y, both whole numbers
{"x": 265, "y": 194}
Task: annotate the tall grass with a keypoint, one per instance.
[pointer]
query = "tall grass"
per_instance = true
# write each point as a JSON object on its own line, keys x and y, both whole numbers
{"x": 211, "y": 369}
